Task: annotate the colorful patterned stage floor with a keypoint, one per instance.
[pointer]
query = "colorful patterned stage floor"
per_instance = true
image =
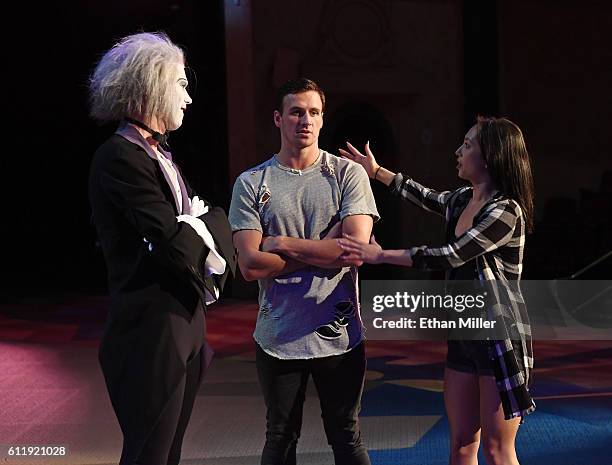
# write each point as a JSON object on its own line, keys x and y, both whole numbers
{"x": 52, "y": 393}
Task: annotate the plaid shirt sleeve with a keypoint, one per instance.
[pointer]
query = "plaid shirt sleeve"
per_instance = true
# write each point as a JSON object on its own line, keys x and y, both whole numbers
{"x": 494, "y": 229}
{"x": 428, "y": 199}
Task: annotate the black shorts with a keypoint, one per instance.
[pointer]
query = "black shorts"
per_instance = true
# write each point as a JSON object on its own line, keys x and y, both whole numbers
{"x": 469, "y": 357}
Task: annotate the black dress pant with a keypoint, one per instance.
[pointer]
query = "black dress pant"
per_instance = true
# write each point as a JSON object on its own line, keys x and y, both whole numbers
{"x": 164, "y": 442}
{"x": 164, "y": 445}
{"x": 339, "y": 381}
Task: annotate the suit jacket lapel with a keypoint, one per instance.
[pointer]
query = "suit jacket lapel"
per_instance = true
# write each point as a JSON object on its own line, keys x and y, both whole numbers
{"x": 128, "y": 132}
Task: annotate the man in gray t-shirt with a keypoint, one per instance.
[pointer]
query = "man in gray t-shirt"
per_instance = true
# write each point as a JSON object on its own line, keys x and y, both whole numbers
{"x": 286, "y": 214}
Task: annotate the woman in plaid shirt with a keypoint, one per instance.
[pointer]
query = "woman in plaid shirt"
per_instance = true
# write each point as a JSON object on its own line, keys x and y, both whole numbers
{"x": 486, "y": 383}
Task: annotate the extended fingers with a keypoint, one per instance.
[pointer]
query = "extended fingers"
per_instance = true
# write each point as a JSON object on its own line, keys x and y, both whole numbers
{"x": 353, "y": 150}
{"x": 353, "y": 239}
{"x": 348, "y": 155}
{"x": 351, "y": 260}
{"x": 352, "y": 156}
{"x": 350, "y": 246}
{"x": 368, "y": 151}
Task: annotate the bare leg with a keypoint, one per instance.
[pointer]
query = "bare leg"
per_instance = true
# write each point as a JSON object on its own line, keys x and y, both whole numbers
{"x": 461, "y": 398}
{"x": 498, "y": 435}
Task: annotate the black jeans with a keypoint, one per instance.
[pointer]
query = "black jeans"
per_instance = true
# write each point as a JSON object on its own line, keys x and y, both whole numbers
{"x": 339, "y": 382}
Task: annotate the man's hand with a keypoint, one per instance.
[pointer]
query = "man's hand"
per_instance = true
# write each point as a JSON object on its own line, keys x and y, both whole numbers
{"x": 273, "y": 244}
{"x": 270, "y": 243}
{"x": 258, "y": 264}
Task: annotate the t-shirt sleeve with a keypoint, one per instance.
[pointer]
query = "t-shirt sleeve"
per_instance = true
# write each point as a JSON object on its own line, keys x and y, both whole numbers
{"x": 357, "y": 197}
{"x": 243, "y": 212}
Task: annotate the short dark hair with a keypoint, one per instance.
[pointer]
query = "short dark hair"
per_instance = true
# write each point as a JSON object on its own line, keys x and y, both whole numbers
{"x": 297, "y": 86}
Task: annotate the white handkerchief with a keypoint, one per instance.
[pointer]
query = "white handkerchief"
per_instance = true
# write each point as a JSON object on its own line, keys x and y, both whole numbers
{"x": 215, "y": 263}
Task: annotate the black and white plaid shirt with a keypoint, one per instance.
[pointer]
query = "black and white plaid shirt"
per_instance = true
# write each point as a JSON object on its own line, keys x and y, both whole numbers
{"x": 495, "y": 242}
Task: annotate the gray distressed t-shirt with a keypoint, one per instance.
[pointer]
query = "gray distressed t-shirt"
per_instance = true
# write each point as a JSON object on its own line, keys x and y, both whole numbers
{"x": 312, "y": 312}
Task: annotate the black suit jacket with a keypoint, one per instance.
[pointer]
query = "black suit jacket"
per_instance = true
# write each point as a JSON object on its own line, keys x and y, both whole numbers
{"x": 149, "y": 282}
{"x": 131, "y": 201}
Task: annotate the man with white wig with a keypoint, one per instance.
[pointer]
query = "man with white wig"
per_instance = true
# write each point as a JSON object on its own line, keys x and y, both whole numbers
{"x": 167, "y": 251}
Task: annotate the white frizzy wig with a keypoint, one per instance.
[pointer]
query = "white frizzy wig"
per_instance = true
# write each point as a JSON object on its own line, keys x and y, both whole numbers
{"x": 135, "y": 77}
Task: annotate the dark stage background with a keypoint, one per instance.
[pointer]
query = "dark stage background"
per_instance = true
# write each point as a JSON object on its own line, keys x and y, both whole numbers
{"x": 409, "y": 76}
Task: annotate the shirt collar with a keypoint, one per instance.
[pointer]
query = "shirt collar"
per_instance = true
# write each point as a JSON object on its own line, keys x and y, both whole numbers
{"x": 129, "y": 132}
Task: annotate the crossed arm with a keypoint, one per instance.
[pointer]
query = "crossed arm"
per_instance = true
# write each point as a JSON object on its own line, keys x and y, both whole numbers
{"x": 260, "y": 258}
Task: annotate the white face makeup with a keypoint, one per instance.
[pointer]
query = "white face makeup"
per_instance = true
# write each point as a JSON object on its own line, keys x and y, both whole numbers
{"x": 180, "y": 99}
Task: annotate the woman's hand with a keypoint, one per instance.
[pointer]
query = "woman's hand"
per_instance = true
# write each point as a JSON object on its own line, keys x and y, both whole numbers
{"x": 358, "y": 250}
{"x": 367, "y": 161}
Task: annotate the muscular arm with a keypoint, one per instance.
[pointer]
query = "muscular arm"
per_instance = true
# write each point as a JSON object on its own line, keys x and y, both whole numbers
{"x": 255, "y": 264}
{"x": 324, "y": 253}
{"x": 287, "y": 254}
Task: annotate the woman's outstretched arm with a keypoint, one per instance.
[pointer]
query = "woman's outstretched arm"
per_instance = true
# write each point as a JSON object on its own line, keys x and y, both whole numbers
{"x": 494, "y": 230}
{"x": 400, "y": 185}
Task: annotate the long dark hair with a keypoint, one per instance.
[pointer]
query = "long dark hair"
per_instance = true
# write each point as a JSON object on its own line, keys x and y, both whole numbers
{"x": 504, "y": 150}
